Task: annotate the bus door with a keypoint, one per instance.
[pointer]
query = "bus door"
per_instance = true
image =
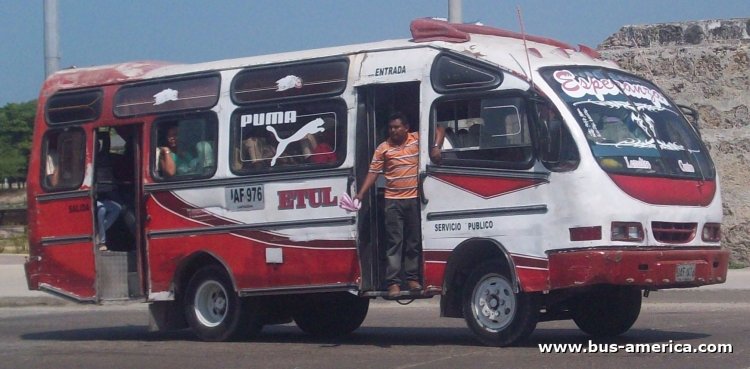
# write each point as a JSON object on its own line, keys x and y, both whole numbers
{"x": 117, "y": 212}
{"x": 376, "y": 103}
{"x": 64, "y": 220}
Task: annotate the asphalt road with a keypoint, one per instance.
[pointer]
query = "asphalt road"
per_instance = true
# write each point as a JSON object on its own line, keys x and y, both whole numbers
{"x": 393, "y": 336}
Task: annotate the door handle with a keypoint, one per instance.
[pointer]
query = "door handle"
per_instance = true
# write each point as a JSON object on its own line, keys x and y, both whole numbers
{"x": 420, "y": 188}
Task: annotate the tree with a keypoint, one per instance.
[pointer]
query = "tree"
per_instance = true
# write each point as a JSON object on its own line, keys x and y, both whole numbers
{"x": 16, "y": 129}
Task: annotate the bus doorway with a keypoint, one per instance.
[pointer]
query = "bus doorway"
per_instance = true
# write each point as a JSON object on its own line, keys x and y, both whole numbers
{"x": 117, "y": 215}
{"x": 376, "y": 104}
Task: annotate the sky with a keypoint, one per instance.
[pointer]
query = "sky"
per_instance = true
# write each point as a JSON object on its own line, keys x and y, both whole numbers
{"x": 97, "y": 32}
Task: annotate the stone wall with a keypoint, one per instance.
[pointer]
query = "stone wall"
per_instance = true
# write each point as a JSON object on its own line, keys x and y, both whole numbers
{"x": 706, "y": 65}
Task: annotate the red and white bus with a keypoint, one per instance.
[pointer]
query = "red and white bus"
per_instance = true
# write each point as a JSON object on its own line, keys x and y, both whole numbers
{"x": 568, "y": 188}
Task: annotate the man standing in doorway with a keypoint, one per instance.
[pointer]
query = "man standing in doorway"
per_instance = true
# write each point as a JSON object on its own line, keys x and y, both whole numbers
{"x": 398, "y": 159}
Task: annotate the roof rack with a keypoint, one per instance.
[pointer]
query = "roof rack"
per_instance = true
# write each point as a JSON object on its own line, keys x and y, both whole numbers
{"x": 428, "y": 29}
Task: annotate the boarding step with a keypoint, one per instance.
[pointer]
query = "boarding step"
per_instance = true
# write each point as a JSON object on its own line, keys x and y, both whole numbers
{"x": 427, "y": 293}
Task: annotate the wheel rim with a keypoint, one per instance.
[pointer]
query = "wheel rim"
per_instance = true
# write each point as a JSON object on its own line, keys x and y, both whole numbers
{"x": 493, "y": 303}
{"x": 210, "y": 304}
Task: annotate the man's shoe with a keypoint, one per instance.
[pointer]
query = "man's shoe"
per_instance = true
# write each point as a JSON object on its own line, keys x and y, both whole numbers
{"x": 394, "y": 290}
{"x": 414, "y": 286}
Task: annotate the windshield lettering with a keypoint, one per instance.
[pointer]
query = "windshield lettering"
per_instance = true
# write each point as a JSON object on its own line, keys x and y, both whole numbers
{"x": 578, "y": 87}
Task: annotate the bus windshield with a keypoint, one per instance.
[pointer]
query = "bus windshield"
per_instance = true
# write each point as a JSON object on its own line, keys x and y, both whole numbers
{"x": 630, "y": 126}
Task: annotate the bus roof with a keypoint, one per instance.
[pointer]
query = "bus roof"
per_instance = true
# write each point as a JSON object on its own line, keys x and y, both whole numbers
{"x": 500, "y": 47}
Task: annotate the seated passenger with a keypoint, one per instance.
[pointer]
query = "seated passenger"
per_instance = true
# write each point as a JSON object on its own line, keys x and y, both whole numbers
{"x": 172, "y": 160}
{"x": 205, "y": 160}
{"x": 321, "y": 144}
{"x": 614, "y": 129}
{"x": 256, "y": 152}
{"x": 475, "y": 131}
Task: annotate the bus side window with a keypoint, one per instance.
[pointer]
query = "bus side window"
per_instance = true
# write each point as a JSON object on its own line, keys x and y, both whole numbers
{"x": 490, "y": 132}
{"x": 185, "y": 147}
{"x": 288, "y": 137}
{"x": 63, "y": 159}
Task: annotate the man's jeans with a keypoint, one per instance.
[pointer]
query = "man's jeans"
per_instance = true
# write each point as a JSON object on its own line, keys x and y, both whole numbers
{"x": 107, "y": 212}
{"x": 402, "y": 230}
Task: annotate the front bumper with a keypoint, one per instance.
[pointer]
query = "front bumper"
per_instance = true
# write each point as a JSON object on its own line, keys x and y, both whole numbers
{"x": 653, "y": 268}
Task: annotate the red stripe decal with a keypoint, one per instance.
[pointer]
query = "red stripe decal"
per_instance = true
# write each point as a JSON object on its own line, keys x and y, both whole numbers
{"x": 667, "y": 191}
{"x": 434, "y": 255}
{"x": 488, "y": 187}
{"x": 186, "y": 210}
{"x": 529, "y": 262}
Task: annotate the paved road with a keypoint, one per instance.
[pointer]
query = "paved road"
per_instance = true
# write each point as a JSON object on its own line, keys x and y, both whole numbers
{"x": 40, "y": 331}
{"x": 77, "y": 336}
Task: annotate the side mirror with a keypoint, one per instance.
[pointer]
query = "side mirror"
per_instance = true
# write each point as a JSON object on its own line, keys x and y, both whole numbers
{"x": 692, "y": 115}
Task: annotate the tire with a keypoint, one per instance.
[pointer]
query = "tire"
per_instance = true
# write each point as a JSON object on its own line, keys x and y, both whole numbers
{"x": 331, "y": 314}
{"x": 497, "y": 315}
{"x": 607, "y": 311}
{"x": 214, "y": 311}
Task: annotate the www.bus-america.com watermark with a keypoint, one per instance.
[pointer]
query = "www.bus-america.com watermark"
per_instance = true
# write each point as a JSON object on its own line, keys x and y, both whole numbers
{"x": 637, "y": 348}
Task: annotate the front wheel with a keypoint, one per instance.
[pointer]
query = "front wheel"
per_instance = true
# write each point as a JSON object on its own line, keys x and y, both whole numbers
{"x": 213, "y": 311}
{"x": 494, "y": 312}
{"x": 607, "y": 311}
{"x": 330, "y": 314}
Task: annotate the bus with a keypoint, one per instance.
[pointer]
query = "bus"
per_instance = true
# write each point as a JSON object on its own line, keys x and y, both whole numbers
{"x": 568, "y": 188}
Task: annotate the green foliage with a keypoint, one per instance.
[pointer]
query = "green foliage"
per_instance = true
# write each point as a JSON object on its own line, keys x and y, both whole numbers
{"x": 15, "y": 242}
{"x": 16, "y": 128}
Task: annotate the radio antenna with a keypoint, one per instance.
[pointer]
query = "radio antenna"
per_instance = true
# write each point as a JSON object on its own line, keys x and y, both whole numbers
{"x": 525, "y": 48}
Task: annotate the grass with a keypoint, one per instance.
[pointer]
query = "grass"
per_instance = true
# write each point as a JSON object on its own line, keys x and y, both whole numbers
{"x": 16, "y": 243}
{"x": 734, "y": 264}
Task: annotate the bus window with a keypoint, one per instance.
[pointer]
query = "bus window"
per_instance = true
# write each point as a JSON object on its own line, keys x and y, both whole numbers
{"x": 561, "y": 153}
{"x": 185, "y": 147}
{"x": 288, "y": 137}
{"x": 63, "y": 159}
{"x": 485, "y": 132}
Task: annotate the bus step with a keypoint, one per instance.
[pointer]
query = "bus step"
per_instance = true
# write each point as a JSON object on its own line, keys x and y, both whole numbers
{"x": 405, "y": 294}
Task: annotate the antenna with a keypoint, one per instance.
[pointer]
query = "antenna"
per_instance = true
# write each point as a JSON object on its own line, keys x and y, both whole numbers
{"x": 525, "y": 48}
{"x": 639, "y": 51}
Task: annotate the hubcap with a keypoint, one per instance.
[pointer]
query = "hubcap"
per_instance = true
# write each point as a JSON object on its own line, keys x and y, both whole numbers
{"x": 493, "y": 303}
{"x": 210, "y": 303}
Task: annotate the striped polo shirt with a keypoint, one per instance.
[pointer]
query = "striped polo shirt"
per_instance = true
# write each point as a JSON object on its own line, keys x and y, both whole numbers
{"x": 400, "y": 166}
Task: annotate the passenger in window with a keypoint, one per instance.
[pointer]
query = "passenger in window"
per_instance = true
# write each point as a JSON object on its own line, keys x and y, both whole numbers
{"x": 257, "y": 152}
{"x": 398, "y": 159}
{"x": 463, "y": 137}
{"x": 473, "y": 137}
{"x": 172, "y": 159}
{"x": 52, "y": 174}
{"x": 321, "y": 144}
{"x": 205, "y": 157}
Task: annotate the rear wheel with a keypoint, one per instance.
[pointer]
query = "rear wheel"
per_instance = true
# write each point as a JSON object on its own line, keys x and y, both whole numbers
{"x": 607, "y": 311}
{"x": 331, "y": 314}
{"x": 493, "y": 311}
{"x": 214, "y": 311}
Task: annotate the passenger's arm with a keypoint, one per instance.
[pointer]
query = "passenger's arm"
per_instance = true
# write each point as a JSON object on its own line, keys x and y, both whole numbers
{"x": 435, "y": 150}
{"x": 166, "y": 164}
{"x": 369, "y": 181}
{"x": 53, "y": 179}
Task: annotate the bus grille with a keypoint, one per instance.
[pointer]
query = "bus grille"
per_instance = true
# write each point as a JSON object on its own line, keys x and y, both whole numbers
{"x": 668, "y": 232}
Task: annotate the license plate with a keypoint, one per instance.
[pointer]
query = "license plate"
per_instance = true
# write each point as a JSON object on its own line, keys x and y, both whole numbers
{"x": 245, "y": 198}
{"x": 685, "y": 273}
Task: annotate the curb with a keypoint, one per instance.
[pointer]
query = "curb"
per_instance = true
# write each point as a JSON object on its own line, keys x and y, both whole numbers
{"x": 26, "y": 301}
